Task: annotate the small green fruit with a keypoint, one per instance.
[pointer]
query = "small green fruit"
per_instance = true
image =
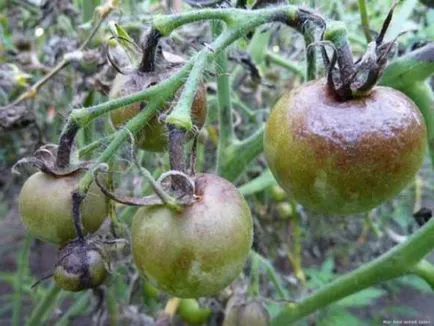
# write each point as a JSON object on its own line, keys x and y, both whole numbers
{"x": 278, "y": 194}
{"x": 241, "y": 313}
{"x": 191, "y": 312}
{"x": 80, "y": 266}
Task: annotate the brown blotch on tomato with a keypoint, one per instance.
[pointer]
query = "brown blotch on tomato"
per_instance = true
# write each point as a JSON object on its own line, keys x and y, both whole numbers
{"x": 344, "y": 157}
{"x": 199, "y": 251}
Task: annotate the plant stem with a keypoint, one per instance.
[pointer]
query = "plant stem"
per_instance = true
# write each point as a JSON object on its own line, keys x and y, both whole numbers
{"x": 121, "y": 136}
{"x": 238, "y": 155}
{"x": 365, "y": 20}
{"x": 254, "y": 275}
{"x": 79, "y": 306}
{"x": 425, "y": 270}
{"x": 260, "y": 183}
{"x": 84, "y": 151}
{"x": 396, "y": 262}
{"x": 271, "y": 273}
{"x": 82, "y": 117}
{"x": 294, "y": 252}
{"x": 226, "y": 130}
{"x": 181, "y": 113}
{"x": 44, "y": 306}
{"x": 284, "y": 63}
{"x": 22, "y": 266}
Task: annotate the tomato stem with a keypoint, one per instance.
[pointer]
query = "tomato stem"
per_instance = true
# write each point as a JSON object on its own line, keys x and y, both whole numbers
{"x": 77, "y": 198}
{"x": 400, "y": 260}
{"x": 149, "y": 48}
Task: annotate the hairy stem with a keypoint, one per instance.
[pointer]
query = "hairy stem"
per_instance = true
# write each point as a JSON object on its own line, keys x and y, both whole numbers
{"x": 180, "y": 116}
{"x": 121, "y": 136}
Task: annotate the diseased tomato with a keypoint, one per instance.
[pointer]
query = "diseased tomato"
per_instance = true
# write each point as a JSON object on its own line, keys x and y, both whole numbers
{"x": 199, "y": 251}
{"x": 45, "y": 204}
{"x": 338, "y": 157}
{"x": 240, "y": 312}
{"x": 153, "y": 136}
{"x": 80, "y": 266}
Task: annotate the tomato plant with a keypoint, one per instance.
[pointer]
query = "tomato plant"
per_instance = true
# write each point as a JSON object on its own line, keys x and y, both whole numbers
{"x": 154, "y": 137}
{"x": 155, "y": 223}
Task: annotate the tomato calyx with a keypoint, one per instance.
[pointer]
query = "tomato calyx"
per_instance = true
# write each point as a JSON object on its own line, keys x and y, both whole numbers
{"x": 45, "y": 159}
{"x": 356, "y": 79}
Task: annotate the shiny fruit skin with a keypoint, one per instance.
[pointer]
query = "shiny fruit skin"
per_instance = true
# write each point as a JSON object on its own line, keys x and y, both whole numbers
{"x": 344, "y": 157}
{"x": 153, "y": 137}
{"x": 200, "y": 250}
{"x": 45, "y": 205}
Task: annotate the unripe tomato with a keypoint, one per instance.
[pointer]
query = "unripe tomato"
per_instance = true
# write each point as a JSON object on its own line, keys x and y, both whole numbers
{"x": 251, "y": 312}
{"x": 284, "y": 210}
{"x": 200, "y": 250}
{"x": 344, "y": 157}
{"x": 191, "y": 312}
{"x": 278, "y": 194}
{"x": 80, "y": 267}
{"x": 153, "y": 136}
{"x": 45, "y": 204}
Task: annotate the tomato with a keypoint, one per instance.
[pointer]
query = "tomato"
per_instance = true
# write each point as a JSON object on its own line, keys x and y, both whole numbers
{"x": 80, "y": 266}
{"x": 45, "y": 204}
{"x": 191, "y": 312}
{"x": 251, "y": 312}
{"x": 338, "y": 157}
{"x": 277, "y": 193}
{"x": 200, "y": 250}
{"x": 152, "y": 137}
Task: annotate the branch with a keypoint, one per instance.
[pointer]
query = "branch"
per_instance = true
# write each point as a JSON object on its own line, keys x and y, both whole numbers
{"x": 238, "y": 155}
{"x": 260, "y": 183}
{"x": 400, "y": 260}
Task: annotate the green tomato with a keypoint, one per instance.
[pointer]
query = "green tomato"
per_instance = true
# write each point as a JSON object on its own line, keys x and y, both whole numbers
{"x": 278, "y": 194}
{"x": 80, "y": 267}
{"x": 45, "y": 204}
{"x": 191, "y": 312}
{"x": 200, "y": 250}
{"x": 344, "y": 157}
{"x": 251, "y": 312}
{"x": 284, "y": 210}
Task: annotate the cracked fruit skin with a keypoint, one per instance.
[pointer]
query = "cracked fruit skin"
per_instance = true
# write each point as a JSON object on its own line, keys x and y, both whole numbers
{"x": 344, "y": 157}
{"x": 153, "y": 137}
{"x": 199, "y": 251}
{"x": 45, "y": 204}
